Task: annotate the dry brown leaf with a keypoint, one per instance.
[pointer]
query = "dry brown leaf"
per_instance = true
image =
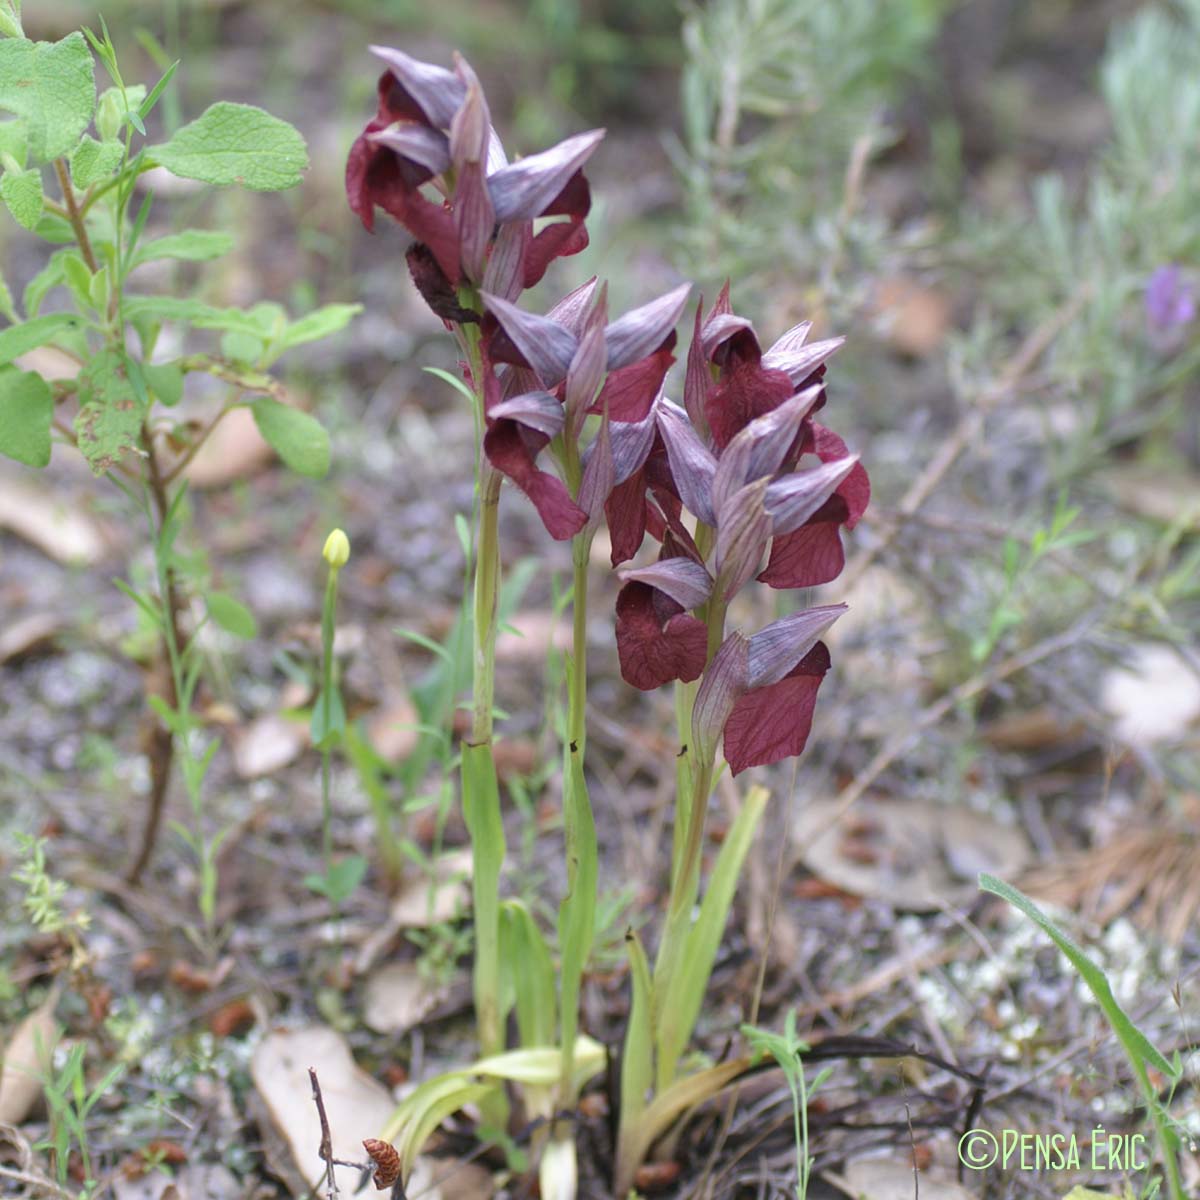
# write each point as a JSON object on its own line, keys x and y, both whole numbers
{"x": 914, "y": 317}
{"x": 1157, "y": 494}
{"x": 357, "y": 1105}
{"x": 26, "y": 634}
{"x": 25, "y": 1060}
{"x": 911, "y": 854}
{"x": 56, "y": 526}
{"x": 1153, "y": 697}
{"x": 391, "y": 729}
{"x": 530, "y": 636}
{"x": 268, "y": 744}
{"x": 398, "y": 997}
{"x": 892, "y": 1179}
{"x": 426, "y": 902}
{"x": 1031, "y": 729}
{"x": 234, "y": 450}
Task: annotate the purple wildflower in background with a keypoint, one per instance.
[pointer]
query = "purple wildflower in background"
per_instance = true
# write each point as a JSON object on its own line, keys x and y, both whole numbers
{"x": 1170, "y": 305}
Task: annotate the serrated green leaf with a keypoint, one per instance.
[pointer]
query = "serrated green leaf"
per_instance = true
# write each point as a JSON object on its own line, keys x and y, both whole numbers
{"x": 20, "y": 339}
{"x": 93, "y": 161}
{"x": 192, "y": 245}
{"x": 165, "y": 380}
{"x": 110, "y": 415}
{"x": 78, "y": 277}
{"x": 26, "y": 413}
{"x": 50, "y": 86}
{"x": 236, "y": 143}
{"x": 299, "y": 439}
{"x": 231, "y": 615}
{"x": 22, "y": 195}
{"x": 316, "y": 325}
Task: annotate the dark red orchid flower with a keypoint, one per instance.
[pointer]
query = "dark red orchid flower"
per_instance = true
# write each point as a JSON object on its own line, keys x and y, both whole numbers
{"x": 432, "y": 127}
{"x": 547, "y": 373}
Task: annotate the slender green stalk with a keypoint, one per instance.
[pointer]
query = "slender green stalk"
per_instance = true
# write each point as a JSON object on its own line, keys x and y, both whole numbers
{"x": 577, "y": 917}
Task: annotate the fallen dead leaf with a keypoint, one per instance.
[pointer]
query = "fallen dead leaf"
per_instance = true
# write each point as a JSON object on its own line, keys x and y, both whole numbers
{"x": 1154, "y": 697}
{"x": 234, "y": 450}
{"x": 1031, "y": 729}
{"x": 391, "y": 729}
{"x": 914, "y": 317}
{"x": 267, "y": 744}
{"x": 357, "y": 1105}
{"x": 28, "y": 634}
{"x": 530, "y": 635}
{"x": 911, "y": 854}
{"x": 398, "y": 997}
{"x": 428, "y": 901}
{"x": 200, "y": 1181}
{"x": 25, "y": 1059}
{"x": 892, "y": 1179}
{"x": 422, "y": 902}
{"x": 55, "y": 526}
{"x": 1168, "y": 496}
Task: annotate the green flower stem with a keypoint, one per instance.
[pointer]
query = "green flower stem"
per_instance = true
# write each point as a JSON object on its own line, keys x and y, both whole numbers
{"x": 481, "y": 792}
{"x": 577, "y": 915}
{"x": 327, "y": 635}
{"x": 685, "y": 882}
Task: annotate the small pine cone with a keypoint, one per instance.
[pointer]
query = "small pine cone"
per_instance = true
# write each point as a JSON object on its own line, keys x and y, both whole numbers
{"x": 386, "y": 1158}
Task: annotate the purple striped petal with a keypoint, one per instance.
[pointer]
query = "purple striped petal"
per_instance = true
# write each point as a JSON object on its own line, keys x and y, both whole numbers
{"x": 802, "y": 361}
{"x": 724, "y": 681}
{"x": 743, "y": 531}
{"x": 794, "y": 498}
{"x": 548, "y": 347}
{"x": 537, "y": 410}
{"x": 523, "y": 190}
{"x": 588, "y": 365}
{"x": 685, "y": 581}
{"x": 776, "y": 649}
{"x": 572, "y": 310}
{"x": 504, "y": 274}
{"x": 429, "y": 147}
{"x": 692, "y": 463}
{"x": 631, "y": 444}
{"x": 438, "y": 92}
{"x": 788, "y": 342}
{"x": 643, "y": 330}
{"x": 759, "y": 449}
{"x": 598, "y": 476}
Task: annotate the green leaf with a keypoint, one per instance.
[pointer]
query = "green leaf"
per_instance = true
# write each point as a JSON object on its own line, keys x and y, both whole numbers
{"x": 165, "y": 380}
{"x": 50, "y": 86}
{"x": 1137, "y": 1045}
{"x": 93, "y": 161}
{"x": 577, "y": 913}
{"x": 325, "y": 733}
{"x": 481, "y": 812}
{"x": 26, "y": 413}
{"x": 637, "y": 1056}
{"x": 110, "y": 415}
{"x": 297, "y": 438}
{"x": 236, "y": 143}
{"x": 193, "y": 245}
{"x": 525, "y": 959}
{"x": 680, "y": 1006}
{"x": 22, "y": 195}
{"x": 316, "y": 325}
{"x": 56, "y": 230}
{"x": 231, "y": 615}
{"x": 339, "y": 882}
{"x": 20, "y": 339}
{"x": 7, "y": 307}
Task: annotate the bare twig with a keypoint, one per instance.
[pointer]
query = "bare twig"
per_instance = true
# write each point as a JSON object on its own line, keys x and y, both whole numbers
{"x": 969, "y": 426}
{"x": 903, "y": 741}
{"x": 326, "y": 1148}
